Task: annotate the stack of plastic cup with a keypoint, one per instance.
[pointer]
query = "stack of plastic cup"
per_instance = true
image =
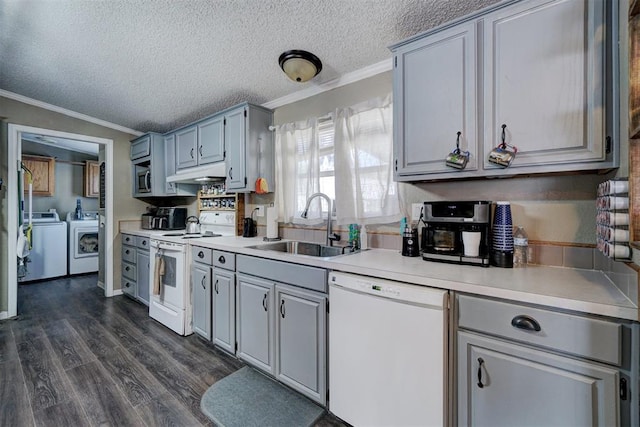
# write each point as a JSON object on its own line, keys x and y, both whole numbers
{"x": 502, "y": 236}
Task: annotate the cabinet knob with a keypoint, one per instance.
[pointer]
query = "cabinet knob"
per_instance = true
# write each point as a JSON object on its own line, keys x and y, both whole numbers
{"x": 200, "y": 254}
{"x": 221, "y": 259}
{"x": 127, "y": 252}
{"x": 126, "y": 268}
{"x": 127, "y": 285}
{"x": 144, "y": 243}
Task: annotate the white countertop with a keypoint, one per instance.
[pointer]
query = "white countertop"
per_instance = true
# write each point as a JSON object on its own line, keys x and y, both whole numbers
{"x": 587, "y": 291}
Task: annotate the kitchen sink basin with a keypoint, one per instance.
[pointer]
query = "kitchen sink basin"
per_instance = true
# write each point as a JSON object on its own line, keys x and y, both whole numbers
{"x": 303, "y": 248}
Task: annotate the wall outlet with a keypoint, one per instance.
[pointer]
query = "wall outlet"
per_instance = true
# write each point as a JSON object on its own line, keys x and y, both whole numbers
{"x": 416, "y": 208}
{"x": 260, "y": 211}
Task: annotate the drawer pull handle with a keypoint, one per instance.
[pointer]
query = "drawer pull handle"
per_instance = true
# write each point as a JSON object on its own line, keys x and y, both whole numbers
{"x": 264, "y": 302}
{"x": 221, "y": 260}
{"x": 216, "y": 286}
{"x": 282, "y": 308}
{"x": 191, "y": 153}
{"x": 480, "y": 363}
{"x": 202, "y": 282}
{"x": 525, "y": 322}
{"x": 200, "y": 254}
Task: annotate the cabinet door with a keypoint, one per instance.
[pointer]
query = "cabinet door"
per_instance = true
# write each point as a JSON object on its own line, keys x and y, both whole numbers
{"x": 43, "y": 174}
{"x": 255, "y": 322}
{"x": 140, "y": 147}
{"x": 186, "y": 147}
{"x": 502, "y": 384}
{"x": 170, "y": 162}
{"x": 143, "y": 276}
{"x": 435, "y": 97}
{"x": 224, "y": 309}
{"x": 234, "y": 141}
{"x": 544, "y": 75}
{"x": 91, "y": 179}
{"x": 201, "y": 288}
{"x": 300, "y": 341}
{"x": 211, "y": 141}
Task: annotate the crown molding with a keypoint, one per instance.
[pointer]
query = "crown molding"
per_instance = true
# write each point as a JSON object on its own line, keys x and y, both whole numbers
{"x": 352, "y": 77}
{"x": 60, "y": 110}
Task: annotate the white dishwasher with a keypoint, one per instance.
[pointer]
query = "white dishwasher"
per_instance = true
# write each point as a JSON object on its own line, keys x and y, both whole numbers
{"x": 387, "y": 352}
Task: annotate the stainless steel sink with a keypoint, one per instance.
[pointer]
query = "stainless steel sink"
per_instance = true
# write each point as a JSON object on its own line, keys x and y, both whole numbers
{"x": 303, "y": 248}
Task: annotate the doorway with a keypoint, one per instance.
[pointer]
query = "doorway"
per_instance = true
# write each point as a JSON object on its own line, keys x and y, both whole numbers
{"x": 15, "y": 136}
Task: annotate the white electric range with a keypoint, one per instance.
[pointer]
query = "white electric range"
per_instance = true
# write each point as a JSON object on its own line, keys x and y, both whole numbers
{"x": 172, "y": 305}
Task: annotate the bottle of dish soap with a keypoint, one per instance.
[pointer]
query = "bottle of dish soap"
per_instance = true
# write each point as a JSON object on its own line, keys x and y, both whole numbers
{"x": 79, "y": 214}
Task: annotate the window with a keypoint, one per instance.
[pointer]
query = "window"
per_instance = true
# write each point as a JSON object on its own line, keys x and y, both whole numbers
{"x": 347, "y": 157}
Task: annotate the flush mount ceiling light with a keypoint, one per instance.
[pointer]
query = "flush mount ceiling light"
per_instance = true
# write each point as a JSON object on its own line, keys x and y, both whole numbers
{"x": 300, "y": 65}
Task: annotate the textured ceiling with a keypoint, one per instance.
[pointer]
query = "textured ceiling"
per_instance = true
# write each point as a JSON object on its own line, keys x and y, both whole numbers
{"x": 156, "y": 65}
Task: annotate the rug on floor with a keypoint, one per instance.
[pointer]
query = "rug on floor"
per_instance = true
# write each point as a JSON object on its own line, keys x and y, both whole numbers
{"x": 248, "y": 398}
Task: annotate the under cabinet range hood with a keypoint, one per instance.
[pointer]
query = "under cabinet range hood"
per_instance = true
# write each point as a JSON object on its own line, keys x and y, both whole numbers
{"x": 200, "y": 174}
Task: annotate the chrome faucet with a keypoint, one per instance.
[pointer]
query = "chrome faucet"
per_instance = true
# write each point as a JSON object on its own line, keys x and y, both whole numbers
{"x": 331, "y": 236}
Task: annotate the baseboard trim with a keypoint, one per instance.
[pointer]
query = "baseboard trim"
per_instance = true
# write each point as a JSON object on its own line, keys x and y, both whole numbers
{"x": 117, "y": 292}
{"x": 4, "y": 315}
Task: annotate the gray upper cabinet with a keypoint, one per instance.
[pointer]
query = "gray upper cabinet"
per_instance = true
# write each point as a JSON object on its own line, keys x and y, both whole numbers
{"x": 249, "y": 145}
{"x": 187, "y": 147}
{"x": 300, "y": 337}
{"x": 155, "y": 166}
{"x": 434, "y": 98}
{"x": 211, "y": 140}
{"x": 201, "y": 143}
{"x": 543, "y": 68}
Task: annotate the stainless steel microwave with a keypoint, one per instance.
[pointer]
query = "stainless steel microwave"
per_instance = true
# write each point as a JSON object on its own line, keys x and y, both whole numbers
{"x": 143, "y": 181}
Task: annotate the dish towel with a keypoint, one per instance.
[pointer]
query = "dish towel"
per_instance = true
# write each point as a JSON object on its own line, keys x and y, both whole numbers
{"x": 158, "y": 273}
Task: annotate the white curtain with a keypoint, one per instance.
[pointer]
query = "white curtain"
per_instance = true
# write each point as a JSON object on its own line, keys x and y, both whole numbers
{"x": 363, "y": 141}
{"x": 297, "y": 171}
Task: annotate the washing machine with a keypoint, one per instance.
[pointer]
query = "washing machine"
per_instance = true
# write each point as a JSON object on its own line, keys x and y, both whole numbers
{"x": 46, "y": 260}
{"x": 83, "y": 243}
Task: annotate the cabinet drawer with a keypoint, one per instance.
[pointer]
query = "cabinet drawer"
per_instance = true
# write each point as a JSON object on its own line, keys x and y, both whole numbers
{"x": 582, "y": 336}
{"x": 129, "y": 254}
{"x": 201, "y": 255}
{"x": 128, "y": 239}
{"x": 142, "y": 242}
{"x": 128, "y": 287}
{"x": 129, "y": 271}
{"x": 226, "y": 260}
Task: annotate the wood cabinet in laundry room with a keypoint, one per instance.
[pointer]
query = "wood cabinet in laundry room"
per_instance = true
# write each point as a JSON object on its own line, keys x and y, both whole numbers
{"x": 43, "y": 170}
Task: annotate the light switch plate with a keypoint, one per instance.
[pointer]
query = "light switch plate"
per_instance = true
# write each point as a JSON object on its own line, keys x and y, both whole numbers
{"x": 260, "y": 211}
{"x": 416, "y": 208}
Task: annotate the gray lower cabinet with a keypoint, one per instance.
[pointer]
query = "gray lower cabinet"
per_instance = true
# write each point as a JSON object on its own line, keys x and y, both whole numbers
{"x": 300, "y": 337}
{"x": 129, "y": 259}
{"x": 143, "y": 276}
{"x": 525, "y": 365}
{"x": 135, "y": 267}
{"x": 224, "y": 309}
{"x": 503, "y": 384}
{"x": 281, "y": 312}
{"x": 201, "y": 288}
{"x": 201, "y": 291}
{"x": 255, "y": 322}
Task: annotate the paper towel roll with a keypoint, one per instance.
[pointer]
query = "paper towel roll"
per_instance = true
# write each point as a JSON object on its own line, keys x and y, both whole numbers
{"x": 272, "y": 222}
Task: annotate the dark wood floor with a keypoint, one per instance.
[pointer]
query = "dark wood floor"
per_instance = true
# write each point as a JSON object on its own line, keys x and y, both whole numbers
{"x": 75, "y": 358}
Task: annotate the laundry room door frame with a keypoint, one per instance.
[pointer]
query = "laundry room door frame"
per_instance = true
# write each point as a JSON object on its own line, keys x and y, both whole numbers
{"x": 15, "y": 155}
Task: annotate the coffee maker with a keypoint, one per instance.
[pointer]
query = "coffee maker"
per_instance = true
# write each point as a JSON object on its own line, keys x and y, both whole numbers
{"x": 457, "y": 232}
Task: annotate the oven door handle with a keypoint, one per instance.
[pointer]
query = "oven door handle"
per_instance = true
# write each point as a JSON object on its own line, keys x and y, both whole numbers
{"x": 166, "y": 248}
